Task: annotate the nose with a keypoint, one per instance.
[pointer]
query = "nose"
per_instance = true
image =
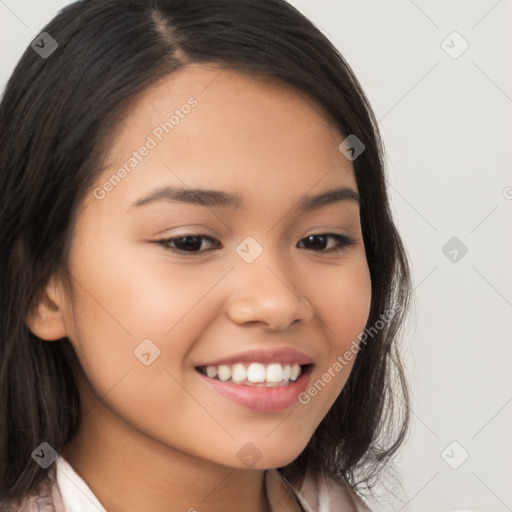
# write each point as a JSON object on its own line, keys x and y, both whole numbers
{"x": 268, "y": 297}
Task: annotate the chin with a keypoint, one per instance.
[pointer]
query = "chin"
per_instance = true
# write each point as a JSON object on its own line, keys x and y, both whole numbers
{"x": 254, "y": 456}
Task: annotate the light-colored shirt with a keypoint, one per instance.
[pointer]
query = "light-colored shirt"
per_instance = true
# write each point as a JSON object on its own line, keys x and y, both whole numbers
{"x": 75, "y": 493}
{"x": 65, "y": 491}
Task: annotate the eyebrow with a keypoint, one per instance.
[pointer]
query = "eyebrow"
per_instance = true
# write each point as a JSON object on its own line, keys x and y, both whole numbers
{"x": 217, "y": 198}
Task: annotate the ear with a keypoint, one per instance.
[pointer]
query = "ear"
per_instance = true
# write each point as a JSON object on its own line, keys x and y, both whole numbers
{"x": 46, "y": 316}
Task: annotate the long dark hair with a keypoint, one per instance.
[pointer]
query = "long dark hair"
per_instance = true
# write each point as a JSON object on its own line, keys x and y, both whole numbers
{"x": 56, "y": 116}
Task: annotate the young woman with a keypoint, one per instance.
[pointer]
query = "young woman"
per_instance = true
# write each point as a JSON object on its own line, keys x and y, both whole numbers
{"x": 202, "y": 284}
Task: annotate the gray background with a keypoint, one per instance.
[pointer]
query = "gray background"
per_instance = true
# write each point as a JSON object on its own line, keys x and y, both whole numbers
{"x": 446, "y": 120}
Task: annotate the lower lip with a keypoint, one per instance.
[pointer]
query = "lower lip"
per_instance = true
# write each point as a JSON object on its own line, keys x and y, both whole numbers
{"x": 261, "y": 398}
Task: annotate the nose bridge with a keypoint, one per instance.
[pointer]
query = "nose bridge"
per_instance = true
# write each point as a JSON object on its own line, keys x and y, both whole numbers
{"x": 264, "y": 264}
{"x": 264, "y": 287}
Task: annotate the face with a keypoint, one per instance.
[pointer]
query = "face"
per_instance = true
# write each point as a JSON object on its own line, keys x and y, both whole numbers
{"x": 254, "y": 276}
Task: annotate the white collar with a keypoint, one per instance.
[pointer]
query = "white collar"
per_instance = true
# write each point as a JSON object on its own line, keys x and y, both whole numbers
{"x": 76, "y": 494}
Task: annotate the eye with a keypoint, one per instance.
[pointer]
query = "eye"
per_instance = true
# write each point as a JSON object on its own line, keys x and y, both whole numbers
{"x": 324, "y": 242}
{"x": 188, "y": 243}
{"x": 320, "y": 242}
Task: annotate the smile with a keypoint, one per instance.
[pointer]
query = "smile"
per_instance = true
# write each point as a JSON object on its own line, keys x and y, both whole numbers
{"x": 289, "y": 381}
{"x": 254, "y": 374}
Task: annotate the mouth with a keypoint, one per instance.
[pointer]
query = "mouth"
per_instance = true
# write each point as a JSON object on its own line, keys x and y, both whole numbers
{"x": 255, "y": 374}
{"x": 258, "y": 386}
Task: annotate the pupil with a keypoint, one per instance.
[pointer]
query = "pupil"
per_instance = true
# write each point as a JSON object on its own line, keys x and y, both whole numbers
{"x": 319, "y": 239}
{"x": 189, "y": 243}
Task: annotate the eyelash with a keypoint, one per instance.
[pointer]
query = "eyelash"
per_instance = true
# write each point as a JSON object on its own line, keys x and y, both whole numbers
{"x": 343, "y": 242}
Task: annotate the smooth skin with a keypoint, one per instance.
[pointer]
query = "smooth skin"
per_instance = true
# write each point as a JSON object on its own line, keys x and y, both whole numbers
{"x": 156, "y": 435}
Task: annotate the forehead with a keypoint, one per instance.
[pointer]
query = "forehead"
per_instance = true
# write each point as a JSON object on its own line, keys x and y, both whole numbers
{"x": 206, "y": 125}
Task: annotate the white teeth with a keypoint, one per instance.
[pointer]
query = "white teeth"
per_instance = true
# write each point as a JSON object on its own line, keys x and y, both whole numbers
{"x": 211, "y": 371}
{"x": 273, "y": 374}
{"x": 256, "y": 372}
{"x": 224, "y": 372}
{"x": 294, "y": 372}
{"x": 239, "y": 373}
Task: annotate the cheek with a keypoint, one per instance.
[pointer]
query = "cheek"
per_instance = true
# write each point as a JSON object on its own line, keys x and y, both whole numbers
{"x": 342, "y": 301}
{"x": 343, "y": 305}
{"x": 137, "y": 297}
{"x": 129, "y": 311}
{"x": 121, "y": 306}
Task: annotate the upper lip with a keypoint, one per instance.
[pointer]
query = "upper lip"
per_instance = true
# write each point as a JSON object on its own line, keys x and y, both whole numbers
{"x": 281, "y": 355}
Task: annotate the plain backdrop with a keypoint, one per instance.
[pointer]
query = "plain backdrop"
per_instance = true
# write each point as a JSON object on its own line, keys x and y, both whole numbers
{"x": 438, "y": 75}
